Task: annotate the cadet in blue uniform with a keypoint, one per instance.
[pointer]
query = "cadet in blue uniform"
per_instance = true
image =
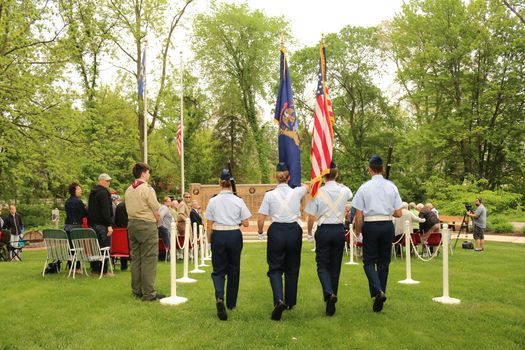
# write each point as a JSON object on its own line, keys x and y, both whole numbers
{"x": 376, "y": 201}
{"x": 283, "y": 205}
{"x": 328, "y": 208}
{"x": 225, "y": 212}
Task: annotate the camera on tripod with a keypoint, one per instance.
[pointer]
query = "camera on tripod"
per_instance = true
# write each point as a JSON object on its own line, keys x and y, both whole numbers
{"x": 468, "y": 206}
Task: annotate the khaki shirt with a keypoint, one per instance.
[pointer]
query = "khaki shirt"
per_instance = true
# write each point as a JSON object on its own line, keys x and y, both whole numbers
{"x": 183, "y": 211}
{"x": 141, "y": 203}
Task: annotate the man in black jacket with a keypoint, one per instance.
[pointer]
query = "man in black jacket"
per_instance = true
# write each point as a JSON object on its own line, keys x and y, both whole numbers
{"x": 13, "y": 222}
{"x": 100, "y": 216}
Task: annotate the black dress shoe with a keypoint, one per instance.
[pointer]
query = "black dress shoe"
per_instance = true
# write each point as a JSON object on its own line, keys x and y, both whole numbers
{"x": 157, "y": 296}
{"x": 330, "y": 305}
{"x": 221, "y": 310}
{"x": 379, "y": 300}
{"x": 278, "y": 310}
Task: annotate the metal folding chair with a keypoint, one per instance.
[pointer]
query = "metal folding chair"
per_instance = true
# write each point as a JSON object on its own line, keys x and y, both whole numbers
{"x": 57, "y": 247}
{"x": 87, "y": 249}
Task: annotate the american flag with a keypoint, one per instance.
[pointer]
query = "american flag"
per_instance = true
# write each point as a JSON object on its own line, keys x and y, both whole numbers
{"x": 323, "y": 134}
{"x": 179, "y": 138}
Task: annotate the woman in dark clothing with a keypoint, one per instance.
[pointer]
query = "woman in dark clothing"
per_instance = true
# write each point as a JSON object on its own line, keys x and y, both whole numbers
{"x": 430, "y": 225}
{"x": 75, "y": 212}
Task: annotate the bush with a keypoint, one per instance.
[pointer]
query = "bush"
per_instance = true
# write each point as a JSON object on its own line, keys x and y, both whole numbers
{"x": 503, "y": 227}
{"x": 523, "y": 230}
{"x": 37, "y": 215}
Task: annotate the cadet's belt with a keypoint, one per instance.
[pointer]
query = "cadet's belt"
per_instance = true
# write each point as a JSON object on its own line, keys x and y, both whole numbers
{"x": 219, "y": 227}
{"x": 378, "y": 218}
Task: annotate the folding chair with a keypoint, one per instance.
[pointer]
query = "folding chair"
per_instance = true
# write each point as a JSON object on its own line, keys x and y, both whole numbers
{"x": 87, "y": 249}
{"x": 399, "y": 241}
{"x": 434, "y": 240}
{"x": 119, "y": 243}
{"x": 4, "y": 244}
{"x": 164, "y": 249}
{"x": 12, "y": 251}
{"x": 57, "y": 247}
{"x": 416, "y": 240}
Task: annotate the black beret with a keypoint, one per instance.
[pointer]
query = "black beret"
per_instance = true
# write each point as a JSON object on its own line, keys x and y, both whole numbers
{"x": 281, "y": 166}
{"x": 375, "y": 161}
{"x": 333, "y": 165}
{"x": 225, "y": 174}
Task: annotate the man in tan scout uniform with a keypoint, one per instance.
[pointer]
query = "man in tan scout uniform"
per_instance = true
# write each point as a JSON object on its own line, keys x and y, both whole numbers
{"x": 143, "y": 213}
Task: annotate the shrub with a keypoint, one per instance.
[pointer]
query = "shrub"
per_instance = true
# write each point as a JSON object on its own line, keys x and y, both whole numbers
{"x": 503, "y": 227}
{"x": 523, "y": 230}
{"x": 37, "y": 215}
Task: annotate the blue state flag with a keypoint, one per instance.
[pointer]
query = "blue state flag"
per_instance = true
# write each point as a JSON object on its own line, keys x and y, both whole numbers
{"x": 289, "y": 151}
{"x": 142, "y": 76}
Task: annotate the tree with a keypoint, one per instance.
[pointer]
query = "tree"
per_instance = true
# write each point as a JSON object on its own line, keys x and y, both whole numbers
{"x": 239, "y": 46}
{"x": 462, "y": 68}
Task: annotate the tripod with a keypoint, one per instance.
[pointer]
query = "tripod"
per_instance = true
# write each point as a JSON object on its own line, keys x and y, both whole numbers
{"x": 464, "y": 226}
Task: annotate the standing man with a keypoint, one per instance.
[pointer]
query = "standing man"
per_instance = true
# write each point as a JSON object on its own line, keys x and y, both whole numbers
{"x": 285, "y": 239}
{"x": 225, "y": 212}
{"x": 479, "y": 219}
{"x": 183, "y": 212}
{"x": 100, "y": 216}
{"x": 165, "y": 222}
{"x": 143, "y": 214}
{"x": 13, "y": 222}
{"x": 376, "y": 201}
{"x": 195, "y": 215}
{"x": 328, "y": 208}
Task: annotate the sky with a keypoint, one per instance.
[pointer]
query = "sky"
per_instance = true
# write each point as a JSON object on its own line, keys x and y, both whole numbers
{"x": 308, "y": 19}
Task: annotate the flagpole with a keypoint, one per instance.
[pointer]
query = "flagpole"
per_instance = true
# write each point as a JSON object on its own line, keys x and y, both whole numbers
{"x": 145, "y": 99}
{"x": 182, "y": 127}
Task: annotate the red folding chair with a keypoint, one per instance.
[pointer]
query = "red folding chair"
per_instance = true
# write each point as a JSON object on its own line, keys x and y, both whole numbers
{"x": 434, "y": 241}
{"x": 119, "y": 243}
{"x": 416, "y": 240}
{"x": 164, "y": 249}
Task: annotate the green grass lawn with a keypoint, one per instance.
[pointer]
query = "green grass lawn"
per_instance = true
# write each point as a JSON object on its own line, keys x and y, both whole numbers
{"x": 55, "y": 312}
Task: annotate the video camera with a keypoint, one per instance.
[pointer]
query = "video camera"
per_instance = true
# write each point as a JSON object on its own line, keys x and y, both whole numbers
{"x": 468, "y": 206}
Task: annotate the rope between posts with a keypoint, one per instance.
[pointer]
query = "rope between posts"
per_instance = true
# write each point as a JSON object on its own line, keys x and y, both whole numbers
{"x": 433, "y": 254}
{"x": 183, "y": 241}
{"x": 402, "y": 236}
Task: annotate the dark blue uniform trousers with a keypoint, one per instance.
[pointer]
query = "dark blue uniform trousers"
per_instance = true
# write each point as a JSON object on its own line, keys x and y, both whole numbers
{"x": 377, "y": 245}
{"x": 226, "y": 247}
{"x": 329, "y": 246}
{"x": 283, "y": 254}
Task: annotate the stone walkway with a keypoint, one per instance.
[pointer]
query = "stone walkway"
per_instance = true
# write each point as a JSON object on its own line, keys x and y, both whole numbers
{"x": 495, "y": 238}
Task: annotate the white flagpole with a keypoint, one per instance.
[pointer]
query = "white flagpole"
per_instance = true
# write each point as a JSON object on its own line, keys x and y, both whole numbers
{"x": 145, "y": 98}
{"x": 182, "y": 188}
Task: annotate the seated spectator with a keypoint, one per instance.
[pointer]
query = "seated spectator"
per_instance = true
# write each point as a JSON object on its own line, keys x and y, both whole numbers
{"x": 432, "y": 209}
{"x": 399, "y": 223}
{"x": 431, "y": 223}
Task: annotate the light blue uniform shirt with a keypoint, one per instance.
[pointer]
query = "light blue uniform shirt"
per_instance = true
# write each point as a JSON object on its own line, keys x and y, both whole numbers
{"x": 377, "y": 197}
{"x": 273, "y": 201}
{"x": 227, "y": 209}
{"x": 319, "y": 208}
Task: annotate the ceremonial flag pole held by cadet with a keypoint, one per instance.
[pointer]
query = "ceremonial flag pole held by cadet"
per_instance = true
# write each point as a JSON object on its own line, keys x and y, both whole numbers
{"x": 323, "y": 134}
{"x": 142, "y": 95}
{"x": 289, "y": 151}
{"x": 180, "y": 129}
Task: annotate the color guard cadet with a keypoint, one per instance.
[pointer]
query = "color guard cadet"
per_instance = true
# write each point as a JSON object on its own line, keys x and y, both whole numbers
{"x": 376, "y": 202}
{"x": 283, "y": 205}
{"x": 328, "y": 208}
{"x": 224, "y": 213}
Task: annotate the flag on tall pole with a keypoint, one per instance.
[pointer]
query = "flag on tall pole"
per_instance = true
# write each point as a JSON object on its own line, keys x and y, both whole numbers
{"x": 323, "y": 134}
{"x": 141, "y": 92}
{"x": 289, "y": 151}
{"x": 180, "y": 129}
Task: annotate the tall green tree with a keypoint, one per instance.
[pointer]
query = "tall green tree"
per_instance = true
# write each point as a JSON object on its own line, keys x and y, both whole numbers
{"x": 462, "y": 69}
{"x": 236, "y": 45}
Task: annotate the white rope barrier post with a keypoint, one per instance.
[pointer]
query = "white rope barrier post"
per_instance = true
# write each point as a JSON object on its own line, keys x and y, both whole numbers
{"x": 207, "y": 254}
{"x": 408, "y": 240}
{"x": 201, "y": 235}
{"x": 446, "y": 299}
{"x": 351, "y": 234}
{"x": 185, "y": 278}
{"x": 314, "y": 229}
{"x": 173, "y": 299}
{"x": 196, "y": 251}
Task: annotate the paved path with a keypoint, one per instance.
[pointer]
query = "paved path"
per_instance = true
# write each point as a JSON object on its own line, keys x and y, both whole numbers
{"x": 495, "y": 238}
